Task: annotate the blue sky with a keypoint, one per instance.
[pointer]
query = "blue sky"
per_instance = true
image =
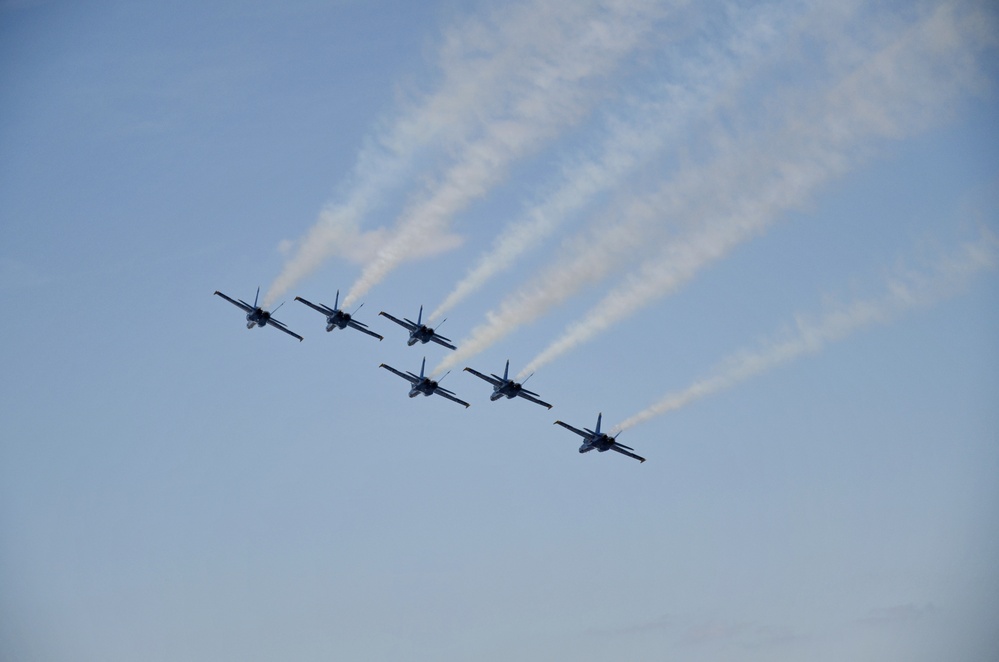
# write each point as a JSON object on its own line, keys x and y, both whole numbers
{"x": 760, "y": 236}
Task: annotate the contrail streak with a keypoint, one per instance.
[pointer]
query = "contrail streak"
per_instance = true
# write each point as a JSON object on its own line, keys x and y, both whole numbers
{"x": 482, "y": 63}
{"x": 894, "y": 92}
{"x": 702, "y": 85}
{"x": 905, "y": 291}
{"x": 585, "y": 44}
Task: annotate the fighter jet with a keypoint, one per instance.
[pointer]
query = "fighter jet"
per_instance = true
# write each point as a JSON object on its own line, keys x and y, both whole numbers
{"x": 424, "y": 385}
{"x": 504, "y": 386}
{"x": 600, "y": 440}
{"x": 336, "y": 318}
{"x": 257, "y": 316}
{"x": 419, "y": 332}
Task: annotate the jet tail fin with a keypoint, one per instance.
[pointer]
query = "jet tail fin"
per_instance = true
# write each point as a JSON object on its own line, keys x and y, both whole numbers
{"x": 422, "y": 366}
{"x": 336, "y": 301}
{"x": 599, "y": 417}
{"x": 506, "y": 371}
{"x": 256, "y": 297}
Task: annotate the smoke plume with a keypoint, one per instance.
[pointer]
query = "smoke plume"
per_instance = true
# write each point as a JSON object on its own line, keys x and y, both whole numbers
{"x": 905, "y": 290}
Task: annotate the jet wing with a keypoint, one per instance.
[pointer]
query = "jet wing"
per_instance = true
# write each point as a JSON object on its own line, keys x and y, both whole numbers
{"x": 576, "y": 430}
{"x": 321, "y": 308}
{"x": 524, "y": 395}
{"x": 409, "y": 378}
{"x": 491, "y": 380}
{"x": 240, "y": 304}
{"x": 617, "y": 447}
{"x": 441, "y": 340}
{"x": 444, "y": 393}
{"x": 280, "y": 326}
{"x": 361, "y": 327}
{"x": 409, "y": 325}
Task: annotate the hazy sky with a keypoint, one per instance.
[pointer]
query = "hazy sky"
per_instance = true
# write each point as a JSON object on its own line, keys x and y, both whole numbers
{"x": 761, "y": 238}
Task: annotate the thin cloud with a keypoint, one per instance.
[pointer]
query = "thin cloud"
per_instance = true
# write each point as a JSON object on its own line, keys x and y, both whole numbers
{"x": 897, "y": 614}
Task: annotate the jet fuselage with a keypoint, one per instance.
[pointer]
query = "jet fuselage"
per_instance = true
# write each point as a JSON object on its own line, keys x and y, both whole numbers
{"x": 337, "y": 321}
{"x": 257, "y": 317}
{"x": 507, "y": 390}
{"x": 602, "y": 444}
{"x": 424, "y": 386}
{"x": 421, "y": 334}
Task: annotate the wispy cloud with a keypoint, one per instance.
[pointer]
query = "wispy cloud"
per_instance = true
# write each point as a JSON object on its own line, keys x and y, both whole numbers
{"x": 713, "y": 632}
{"x": 897, "y": 614}
{"x": 906, "y": 289}
{"x": 661, "y": 624}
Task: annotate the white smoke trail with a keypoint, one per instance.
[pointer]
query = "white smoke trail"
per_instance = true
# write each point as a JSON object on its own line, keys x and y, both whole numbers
{"x": 701, "y": 86}
{"x": 482, "y": 63}
{"x": 590, "y": 257}
{"x": 559, "y": 67}
{"x": 893, "y": 93}
{"x": 904, "y": 291}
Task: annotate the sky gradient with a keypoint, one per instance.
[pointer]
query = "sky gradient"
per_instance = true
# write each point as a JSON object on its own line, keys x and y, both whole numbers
{"x": 760, "y": 237}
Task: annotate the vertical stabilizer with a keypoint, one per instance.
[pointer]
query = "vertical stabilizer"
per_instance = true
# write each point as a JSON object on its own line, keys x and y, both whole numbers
{"x": 599, "y": 416}
{"x": 257, "y": 296}
{"x": 506, "y": 371}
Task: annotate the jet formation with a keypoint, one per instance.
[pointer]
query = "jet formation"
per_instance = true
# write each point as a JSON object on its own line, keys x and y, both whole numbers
{"x": 503, "y": 387}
